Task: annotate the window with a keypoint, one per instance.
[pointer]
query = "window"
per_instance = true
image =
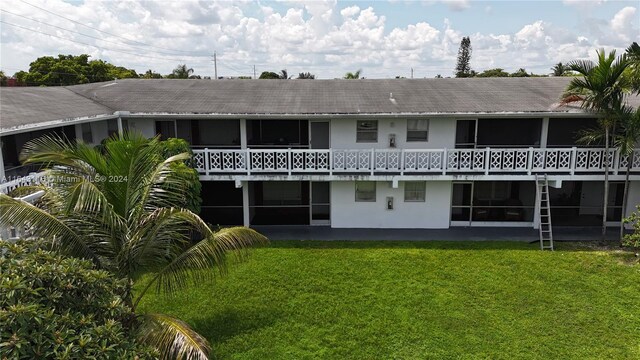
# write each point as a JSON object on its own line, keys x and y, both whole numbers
{"x": 414, "y": 190}
{"x": 366, "y": 191}
{"x": 166, "y": 129}
{"x": 417, "y": 130}
{"x": 367, "y": 131}
{"x": 87, "y": 136}
{"x": 112, "y": 126}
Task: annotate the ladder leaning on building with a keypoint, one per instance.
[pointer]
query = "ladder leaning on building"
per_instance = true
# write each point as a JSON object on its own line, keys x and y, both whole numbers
{"x": 544, "y": 213}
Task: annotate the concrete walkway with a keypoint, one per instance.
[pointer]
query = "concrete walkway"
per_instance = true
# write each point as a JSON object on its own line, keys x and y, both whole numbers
{"x": 455, "y": 233}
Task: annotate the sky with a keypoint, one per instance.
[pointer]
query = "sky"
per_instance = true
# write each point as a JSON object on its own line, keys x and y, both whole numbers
{"x": 384, "y": 39}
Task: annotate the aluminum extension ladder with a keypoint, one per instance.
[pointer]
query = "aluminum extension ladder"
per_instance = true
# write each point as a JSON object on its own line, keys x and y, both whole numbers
{"x": 544, "y": 213}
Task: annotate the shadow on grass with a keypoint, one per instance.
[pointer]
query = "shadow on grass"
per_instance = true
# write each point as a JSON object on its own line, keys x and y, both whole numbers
{"x": 230, "y": 323}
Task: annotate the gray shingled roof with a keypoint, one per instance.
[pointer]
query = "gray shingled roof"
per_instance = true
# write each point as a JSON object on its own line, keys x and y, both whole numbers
{"x": 329, "y": 96}
{"x": 23, "y": 106}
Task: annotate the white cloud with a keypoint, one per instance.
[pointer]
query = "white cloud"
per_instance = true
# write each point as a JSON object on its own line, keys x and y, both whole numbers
{"x": 457, "y": 5}
{"x": 623, "y": 24}
{"x": 324, "y": 37}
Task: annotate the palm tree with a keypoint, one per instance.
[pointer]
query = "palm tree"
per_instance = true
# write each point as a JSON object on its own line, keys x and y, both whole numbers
{"x": 626, "y": 140}
{"x": 355, "y": 75}
{"x": 181, "y": 72}
{"x": 283, "y": 75}
{"x": 122, "y": 207}
{"x": 600, "y": 89}
{"x": 306, "y": 75}
{"x": 559, "y": 69}
{"x": 633, "y": 56}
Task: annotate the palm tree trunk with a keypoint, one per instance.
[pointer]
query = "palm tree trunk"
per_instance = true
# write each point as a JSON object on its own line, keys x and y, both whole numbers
{"x": 625, "y": 200}
{"x": 606, "y": 184}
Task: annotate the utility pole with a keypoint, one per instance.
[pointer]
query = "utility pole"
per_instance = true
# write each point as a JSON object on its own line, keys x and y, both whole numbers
{"x": 254, "y": 72}
{"x": 412, "y": 73}
{"x": 215, "y": 66}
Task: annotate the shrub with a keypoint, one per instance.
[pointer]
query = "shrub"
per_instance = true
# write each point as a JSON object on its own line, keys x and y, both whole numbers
{"x": 633, "y": 239}
{"x": 55, "y": 307}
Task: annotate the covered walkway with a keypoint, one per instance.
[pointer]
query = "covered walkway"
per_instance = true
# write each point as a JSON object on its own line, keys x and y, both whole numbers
{"x": 452, "y": 234}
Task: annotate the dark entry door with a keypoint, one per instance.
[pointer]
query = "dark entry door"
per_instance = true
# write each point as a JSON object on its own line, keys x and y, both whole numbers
{"x": 320, "y": 135}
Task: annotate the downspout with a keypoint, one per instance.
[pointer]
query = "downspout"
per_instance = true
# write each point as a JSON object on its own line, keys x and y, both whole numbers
{"x": 120, "y": 115}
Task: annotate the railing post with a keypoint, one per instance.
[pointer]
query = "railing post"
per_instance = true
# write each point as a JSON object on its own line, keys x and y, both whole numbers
{"x": 401, "y": 162}
{"x": 330, "y": 162}
{"x": 445, "y": 161}
{"x": 206, "y": 161}
{"x": 487, "y": 160}
{"x": 289, "y": 160}
{"x": 616, "y": 160}
{"x": 529, "y": 160}
{"x": 574, "y": 153}
{"x": 372, "y": 161}
{"x": 248, "y": 165}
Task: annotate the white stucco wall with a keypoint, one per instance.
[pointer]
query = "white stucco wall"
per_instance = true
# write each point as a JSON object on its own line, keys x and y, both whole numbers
{"x": 431, "y": 214}
{"x": 441, "y": 134}
{"x": 145, "y": 126}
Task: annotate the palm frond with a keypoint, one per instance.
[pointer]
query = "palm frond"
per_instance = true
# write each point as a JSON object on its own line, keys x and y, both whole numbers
{"x": 172, "y": 337}
{"x": 15, "y": 212}
{"x": 211, "y": 252}
{"x": 591, "y": 136}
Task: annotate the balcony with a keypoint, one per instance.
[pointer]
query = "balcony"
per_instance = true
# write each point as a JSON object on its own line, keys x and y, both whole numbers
{"x": 486, "y": 161}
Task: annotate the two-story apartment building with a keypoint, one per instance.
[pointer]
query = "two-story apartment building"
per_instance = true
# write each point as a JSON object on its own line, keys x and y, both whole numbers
{"x": 400, "y": 153}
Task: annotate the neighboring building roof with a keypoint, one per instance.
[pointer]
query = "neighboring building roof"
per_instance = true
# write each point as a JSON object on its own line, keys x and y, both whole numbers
{"x": 24, "y": 106}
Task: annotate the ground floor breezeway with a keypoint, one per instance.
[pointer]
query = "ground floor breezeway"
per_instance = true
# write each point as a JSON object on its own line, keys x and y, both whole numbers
{"x": 410, "y": 204}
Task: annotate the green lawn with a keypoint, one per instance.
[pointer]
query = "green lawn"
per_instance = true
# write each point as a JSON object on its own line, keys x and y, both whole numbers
{"x": 418, "y": 300}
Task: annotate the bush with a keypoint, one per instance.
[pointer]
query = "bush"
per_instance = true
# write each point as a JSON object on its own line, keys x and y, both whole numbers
{"x": 633, "y": 239}
{"x": 55, "y": 307}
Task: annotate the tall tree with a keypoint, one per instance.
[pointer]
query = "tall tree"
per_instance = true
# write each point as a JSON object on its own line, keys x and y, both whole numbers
{"x": 463, "y": 66}
{"x": 269, "y": 75}
{"x": 284, "y": 75}
{"x": 520, "y": 73}
{"x": 181, "y": 72}
{"x": 633, "y": 72}
{"x": 306, "y": 75}
{"x": 600, "y": 89}
{"x": 353, "y": 75}
{"x": 626, "y": 141}
{"x": 559, "y": 69}
{"x": 497, "y": 72}
{"x": 150, "y": 74}
{"x": 70, "y": 70}
{"x": 122, "y": 207}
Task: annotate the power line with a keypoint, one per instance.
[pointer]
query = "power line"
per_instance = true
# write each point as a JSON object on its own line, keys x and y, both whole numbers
{"x": 104, "y": 32}
{"x": 95, "y": 46}
{"x": 93, "y": 37}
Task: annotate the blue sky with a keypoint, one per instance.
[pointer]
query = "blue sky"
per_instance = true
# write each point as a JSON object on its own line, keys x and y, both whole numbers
{"x": 328, "y": 38}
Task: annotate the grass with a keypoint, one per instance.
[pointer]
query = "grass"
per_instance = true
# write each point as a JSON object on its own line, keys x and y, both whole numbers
{"x": 418, "y": 300}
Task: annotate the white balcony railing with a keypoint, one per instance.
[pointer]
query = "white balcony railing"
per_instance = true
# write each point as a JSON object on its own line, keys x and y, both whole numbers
{"x": 412, "y": 161}
{"x": 31, "y": 179}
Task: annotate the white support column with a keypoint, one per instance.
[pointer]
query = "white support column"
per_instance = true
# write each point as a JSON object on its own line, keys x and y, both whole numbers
{"x": 120, "y": 129}
{"x": 245, "y": 204}
{"x": 243, "y": 133}
{"x": 544, "y": 132}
